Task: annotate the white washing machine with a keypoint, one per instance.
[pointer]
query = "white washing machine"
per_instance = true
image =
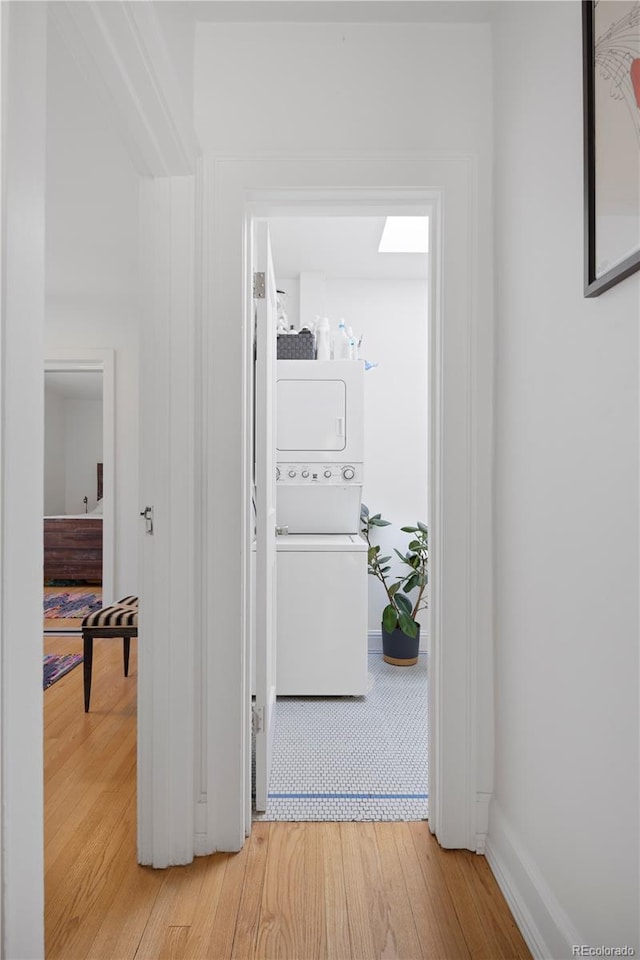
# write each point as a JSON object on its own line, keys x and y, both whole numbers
{"x": 322, "y": 615}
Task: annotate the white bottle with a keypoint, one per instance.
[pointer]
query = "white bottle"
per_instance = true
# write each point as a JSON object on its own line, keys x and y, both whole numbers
{"x": 323, "y": 339}
{"x": 341, "y": 344}
{"x": 353, "y": 344}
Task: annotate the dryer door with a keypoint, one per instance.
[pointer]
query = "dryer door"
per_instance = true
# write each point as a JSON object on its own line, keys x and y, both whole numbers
{"x": 311, "y": 417}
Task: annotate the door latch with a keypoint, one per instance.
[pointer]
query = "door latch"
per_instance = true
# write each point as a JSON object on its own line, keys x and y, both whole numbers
{"x": 147, "y": 513}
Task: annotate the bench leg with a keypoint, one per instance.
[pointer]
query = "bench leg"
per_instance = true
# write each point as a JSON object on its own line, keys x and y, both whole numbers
{"x": 87, "y": 642}
{"x": 126, "y": 646}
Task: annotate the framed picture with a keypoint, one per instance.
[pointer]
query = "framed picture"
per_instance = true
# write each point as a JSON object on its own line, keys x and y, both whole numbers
{"x": 611, "y": 77}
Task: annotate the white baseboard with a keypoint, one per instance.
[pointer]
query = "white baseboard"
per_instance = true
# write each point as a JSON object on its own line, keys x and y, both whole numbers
{"x": 543, "y": 923}
{"x": 482, "y": 820}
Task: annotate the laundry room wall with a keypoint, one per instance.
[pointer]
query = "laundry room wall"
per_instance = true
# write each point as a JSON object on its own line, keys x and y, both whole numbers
{"x": 391, "y": 316}
{"x": 291, "y": 286}
{"x": 91, "y": 260}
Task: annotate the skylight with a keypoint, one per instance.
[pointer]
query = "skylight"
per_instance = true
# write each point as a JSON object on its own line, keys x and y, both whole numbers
{"x": 405, "y": 235}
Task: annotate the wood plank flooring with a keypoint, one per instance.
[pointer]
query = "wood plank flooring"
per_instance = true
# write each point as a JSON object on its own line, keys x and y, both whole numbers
{"x": 297, "y": 891}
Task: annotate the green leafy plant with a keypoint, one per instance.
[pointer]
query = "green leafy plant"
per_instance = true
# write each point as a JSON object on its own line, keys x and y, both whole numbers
{"x": 401, "y": 611}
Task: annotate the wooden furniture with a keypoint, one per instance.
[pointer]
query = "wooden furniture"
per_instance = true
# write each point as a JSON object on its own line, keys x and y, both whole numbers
{"x": 117, "y": 620}
{"x": 73, "y": 548}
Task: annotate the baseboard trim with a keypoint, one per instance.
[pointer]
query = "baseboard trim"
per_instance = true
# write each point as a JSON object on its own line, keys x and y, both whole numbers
{"x": 482, "y": 820}
{"x": 546, "y": 928}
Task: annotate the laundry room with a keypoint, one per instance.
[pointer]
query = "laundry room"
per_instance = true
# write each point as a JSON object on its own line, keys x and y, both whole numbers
{"x": 351, "y": 430}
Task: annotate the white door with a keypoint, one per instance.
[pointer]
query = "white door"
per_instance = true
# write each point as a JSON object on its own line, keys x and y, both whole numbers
{"x": 265, "y": 479}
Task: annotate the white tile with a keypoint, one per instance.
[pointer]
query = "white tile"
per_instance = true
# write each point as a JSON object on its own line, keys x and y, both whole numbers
{"x": 358, "y": 753}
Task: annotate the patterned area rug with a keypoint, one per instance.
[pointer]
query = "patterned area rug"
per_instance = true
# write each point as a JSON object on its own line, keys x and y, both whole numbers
{"x": 67, "y": 606}
{"x": 353, "y": 758}
{"x": 57, "y": 666}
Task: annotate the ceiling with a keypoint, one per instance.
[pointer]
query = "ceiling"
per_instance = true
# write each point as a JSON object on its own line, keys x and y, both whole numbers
{"x": 339, "y": 247}
{"x": 74, "y": 384}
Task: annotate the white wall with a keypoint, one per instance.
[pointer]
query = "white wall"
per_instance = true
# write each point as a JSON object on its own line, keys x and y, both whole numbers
{"x": 83, "y": 450}
{"x": 92, "y": 250}
{"x": 410, "y": 87}
{"x": 391, "y": 315}
{"x": 54, "y": 454}
{"x": 565, "y": 815}
{"x": 404, "y": 95}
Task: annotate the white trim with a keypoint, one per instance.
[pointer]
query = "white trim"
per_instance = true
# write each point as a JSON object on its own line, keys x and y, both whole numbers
{"x": 201, "y": 659}
{"x": 166, "y": 675}
{"x": 482, "y": 820}
{"x": 86, "y": 359}
{"x": 120, "y": 47}
{"x": 543, "y": 923}
{"x": 22, "y": 480}
{"x": 460, "y": 445}
{"x": 4, "y": 59}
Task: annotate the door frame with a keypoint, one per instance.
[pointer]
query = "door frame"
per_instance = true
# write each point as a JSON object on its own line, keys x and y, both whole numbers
{"x": 460, "y": 424}
{"x": 79, "y": 359}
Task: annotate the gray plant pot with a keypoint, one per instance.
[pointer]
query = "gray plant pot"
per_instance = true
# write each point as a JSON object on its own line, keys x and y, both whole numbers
{"x": 399, "y": 649}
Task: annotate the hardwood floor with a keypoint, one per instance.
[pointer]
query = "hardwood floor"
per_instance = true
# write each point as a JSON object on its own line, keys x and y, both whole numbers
{"x": 340, "y": 891}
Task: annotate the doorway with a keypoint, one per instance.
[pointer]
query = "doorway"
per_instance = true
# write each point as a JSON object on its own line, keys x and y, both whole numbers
{"x": 364, "y": 756}
{"x": 79, "y": 408}
{"x": 460, "y": 719}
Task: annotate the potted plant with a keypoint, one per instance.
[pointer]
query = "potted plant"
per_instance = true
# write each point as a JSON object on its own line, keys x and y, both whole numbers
{"x": 400, "y": 629}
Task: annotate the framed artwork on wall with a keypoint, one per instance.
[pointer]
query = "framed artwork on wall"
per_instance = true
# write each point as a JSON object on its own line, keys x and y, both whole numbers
{"x": 611, "y": 84}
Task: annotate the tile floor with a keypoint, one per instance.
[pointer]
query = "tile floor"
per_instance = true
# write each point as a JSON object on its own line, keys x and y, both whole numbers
{"x": 353, "y": 758}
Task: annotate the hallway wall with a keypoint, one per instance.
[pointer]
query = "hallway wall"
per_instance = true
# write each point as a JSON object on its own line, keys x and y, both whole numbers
{"x": 403, "y": 96}
{"x": 565, "y": 812}
{"x": 409, "y": 88}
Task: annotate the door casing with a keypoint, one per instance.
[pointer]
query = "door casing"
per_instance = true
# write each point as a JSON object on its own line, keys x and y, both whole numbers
{"x": 103, "y": 360}
{"x": 460, "y": 712}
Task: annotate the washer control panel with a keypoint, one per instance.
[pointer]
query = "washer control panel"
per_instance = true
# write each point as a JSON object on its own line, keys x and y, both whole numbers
{"x": 319, "y": 473}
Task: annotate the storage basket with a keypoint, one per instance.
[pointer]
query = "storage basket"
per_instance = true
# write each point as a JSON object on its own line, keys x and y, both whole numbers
{"x": 296, "y": 346}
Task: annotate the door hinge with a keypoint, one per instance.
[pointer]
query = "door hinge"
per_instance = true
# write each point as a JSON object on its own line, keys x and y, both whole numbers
{"x": 257, "y": 719}
{"x": 259, "y": 286}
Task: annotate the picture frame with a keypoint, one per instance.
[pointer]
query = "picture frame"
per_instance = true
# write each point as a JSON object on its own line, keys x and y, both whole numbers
{"x": 611, "y": 115}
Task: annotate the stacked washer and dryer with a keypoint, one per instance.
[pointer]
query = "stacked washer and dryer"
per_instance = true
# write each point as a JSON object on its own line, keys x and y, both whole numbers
{"x": 321, "y": 557}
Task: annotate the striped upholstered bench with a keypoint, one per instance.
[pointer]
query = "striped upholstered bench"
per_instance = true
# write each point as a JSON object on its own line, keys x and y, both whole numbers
{"x": 117, "y": 620}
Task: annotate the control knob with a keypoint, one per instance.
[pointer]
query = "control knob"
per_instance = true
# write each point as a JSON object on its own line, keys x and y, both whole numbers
{"x": 348, "y": 473}
{"x": 327, "y": 473}
{"x": 292, "y": 473}
{"x": 305, "y": 474}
